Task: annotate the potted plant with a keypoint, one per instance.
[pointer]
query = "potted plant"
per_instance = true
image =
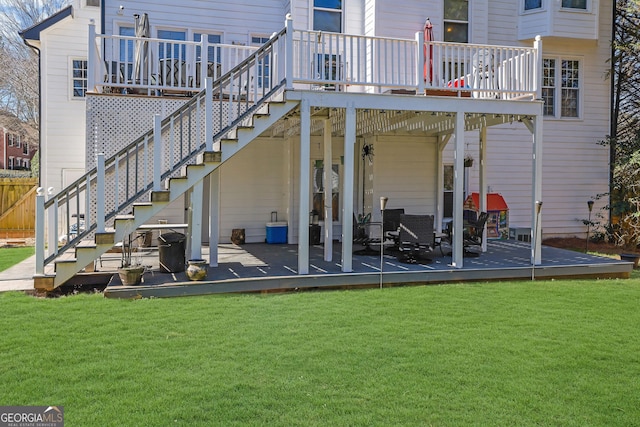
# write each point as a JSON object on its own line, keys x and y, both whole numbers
{"x": 468, "y": 161}
{"x": 131, "y": 270}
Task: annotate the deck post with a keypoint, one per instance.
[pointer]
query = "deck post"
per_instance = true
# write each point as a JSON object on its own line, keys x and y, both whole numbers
{"x": 328, "y": 192}
{"x": 537, "y": 70}
{"x": 204, "y": 61}
{"x": 40, "y": 234}
{"x": 536, "y": 217}
{"x": 483, "y": 182}
{"x": 420, "y": 65}
{"x": 157, "y": 152}
{"x": 208, "y": 114}
{"x": 347, "y": 188}
{"x": 214, "y": 216}
{"x": 100, "y": 196}
{"x": 305, "y": 199}
{"x": 195, "y": 219}
{"x": 442, "y": 143}
{"x": 288, "y": 54}
{"x": 52, "y": 220}
{"x": 458, "y": 190}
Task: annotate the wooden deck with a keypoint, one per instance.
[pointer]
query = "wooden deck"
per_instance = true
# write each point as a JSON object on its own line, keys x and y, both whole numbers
{"x": 262, "y": 267}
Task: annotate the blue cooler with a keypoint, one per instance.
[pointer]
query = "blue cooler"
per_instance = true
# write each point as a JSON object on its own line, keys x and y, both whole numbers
{"x": 276, "y": 232}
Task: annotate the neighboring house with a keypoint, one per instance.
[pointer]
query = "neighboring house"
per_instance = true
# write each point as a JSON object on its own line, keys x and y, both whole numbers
{"x": 509, "y": 102}
{"x": 18, "y": 143}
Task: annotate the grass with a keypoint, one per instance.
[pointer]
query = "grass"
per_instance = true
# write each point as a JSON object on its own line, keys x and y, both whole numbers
{"x": 563, "y": 353}
{"x": 11, "y": 256}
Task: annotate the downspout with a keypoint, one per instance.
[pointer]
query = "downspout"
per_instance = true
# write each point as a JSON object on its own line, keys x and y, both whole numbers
{"x": 613, "y": 115}
{"x": 39, "y": 110}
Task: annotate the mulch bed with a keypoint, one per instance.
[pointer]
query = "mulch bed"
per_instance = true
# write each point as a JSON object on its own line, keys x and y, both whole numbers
{"x": 577, "y": 244}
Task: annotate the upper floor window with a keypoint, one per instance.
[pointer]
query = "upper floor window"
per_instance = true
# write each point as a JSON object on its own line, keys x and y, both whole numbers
{"x": 561, "y": 87}
{"x": 456, "y": 21}
{"x": 25, "y": 149}
{"x": 575, "y": 4}
{"x": 79, "y": 77}
{"x": 10, "y": 139}
{"x": 327, "y": 15}
{"x": 532, "y": 4}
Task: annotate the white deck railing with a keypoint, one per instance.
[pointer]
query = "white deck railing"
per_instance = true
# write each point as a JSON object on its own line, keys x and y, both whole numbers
{"x": 124, "y": 64}
{"x": 322, "y": 61}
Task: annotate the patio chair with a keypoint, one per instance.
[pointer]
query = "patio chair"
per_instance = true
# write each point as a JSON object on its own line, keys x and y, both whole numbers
{"x": 472, "y": 235}
{"x": 391, "y": 226}
{"x": 416, "y": 238}
{"x": 362, "y": 235}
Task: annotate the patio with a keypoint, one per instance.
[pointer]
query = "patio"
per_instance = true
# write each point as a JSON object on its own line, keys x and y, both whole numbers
{"x": 261, "y": 267}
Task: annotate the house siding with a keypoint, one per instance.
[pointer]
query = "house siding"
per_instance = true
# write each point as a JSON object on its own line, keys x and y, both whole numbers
{"x": 63, "y": 118}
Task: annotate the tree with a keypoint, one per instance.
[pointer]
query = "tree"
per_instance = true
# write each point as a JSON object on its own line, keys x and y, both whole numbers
{"x": 19, "y": 64}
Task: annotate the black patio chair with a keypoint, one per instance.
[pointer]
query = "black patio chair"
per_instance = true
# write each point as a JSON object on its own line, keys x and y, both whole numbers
{"x": 472, "y": 235}
{"x": 362, "y": 235}
{"x": 391, "y": 227}
{"x": 416, "y": 238}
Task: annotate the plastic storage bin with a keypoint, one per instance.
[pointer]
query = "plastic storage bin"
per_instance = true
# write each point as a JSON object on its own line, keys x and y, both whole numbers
{"x": 276, "y": 232}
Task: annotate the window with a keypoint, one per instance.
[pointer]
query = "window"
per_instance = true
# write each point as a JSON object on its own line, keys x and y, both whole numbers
{"x": 10, "y": 139}
{"x": 10, "y": 165}
{"x": 25, "y": 149}
{"x": 561, "y": 94}
{"x": 456, "y": 21}
{"x": 575, "y": 4}
{"x": 172, "y": 50}
{"x": 79, "y": 77}
{"x": 264, "y": 70}
{"x": 95, "y": 3}
{"x": 327, "y": 15}
{"x": 126, "y": 46}
{"x": 213, "y": 53}
{"x": 532, "y": 4}
{"x": 18, "y": 141}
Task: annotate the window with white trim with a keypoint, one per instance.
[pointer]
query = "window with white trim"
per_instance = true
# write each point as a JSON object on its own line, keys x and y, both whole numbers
{"x": 456, "y": 21}
{"x": 95, "y": 3}
{"x": 18, "y": 141}
{"x": 561, "y": 87}
{"x": 25, "y": 149}
{"x": 264, "y": 68}
{"x": 327, "y": 15}
{"x": 169, "y": 49}
{"x": 532, "y": 4}
{"x": 575, "y": 4}
{"x": 79, "y": 77}
{"x": 10, "y": 139}
{"x": 10, "y": 164}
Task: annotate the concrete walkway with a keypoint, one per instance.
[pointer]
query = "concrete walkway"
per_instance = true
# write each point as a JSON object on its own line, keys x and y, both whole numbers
{"x": 19, "y": 277}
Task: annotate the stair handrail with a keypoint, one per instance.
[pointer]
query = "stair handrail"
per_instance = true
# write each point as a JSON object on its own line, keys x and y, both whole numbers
{"x": 84, "y": 227}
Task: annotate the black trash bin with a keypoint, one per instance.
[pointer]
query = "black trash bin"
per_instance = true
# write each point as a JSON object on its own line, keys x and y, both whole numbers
{"x": 171, "y": 250}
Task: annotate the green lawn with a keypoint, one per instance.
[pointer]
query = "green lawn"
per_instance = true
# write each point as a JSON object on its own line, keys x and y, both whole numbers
{"x": 555, "y": 353}
{"x": 11, "y": 256}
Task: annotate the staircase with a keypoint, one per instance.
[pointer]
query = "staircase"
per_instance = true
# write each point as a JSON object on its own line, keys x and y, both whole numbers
{"x": 159, "y": 166}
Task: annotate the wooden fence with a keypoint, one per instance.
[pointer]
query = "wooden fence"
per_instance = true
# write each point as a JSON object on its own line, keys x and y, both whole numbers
{"x": 17, "y": 207}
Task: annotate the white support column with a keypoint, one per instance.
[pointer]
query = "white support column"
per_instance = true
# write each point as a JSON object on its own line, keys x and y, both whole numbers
{"x": 208, "y": 109}
{"x": 100, "y": 196}
{"x": 441, "y": 144}
{"x": 40, "y": 233}
{"x": 420, "y": 77}
{"x": 214, "y": 216}
{"x": 197, "y": 194}
{"x": 536, "y": 217}
{"x": 328, "y": 192}
{"x": 157, "y": 152}
{"x": 305, "y": 197}
{"x": 347, "y": 188}
{"x": 483, "y": 182}
{"x": 458, "y": 190}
